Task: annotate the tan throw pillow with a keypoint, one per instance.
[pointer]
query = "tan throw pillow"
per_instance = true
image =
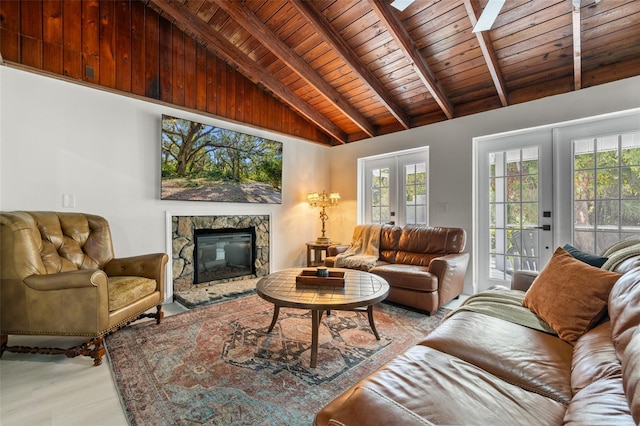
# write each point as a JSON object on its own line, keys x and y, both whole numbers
{"x": 570, "y": 295}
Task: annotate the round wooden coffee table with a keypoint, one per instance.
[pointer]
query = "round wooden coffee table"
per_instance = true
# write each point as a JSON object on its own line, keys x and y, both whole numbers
{"x": 360, "y": 292}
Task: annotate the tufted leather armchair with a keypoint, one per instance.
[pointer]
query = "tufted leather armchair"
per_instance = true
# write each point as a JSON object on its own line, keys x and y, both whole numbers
{"x": 59, "y": 276}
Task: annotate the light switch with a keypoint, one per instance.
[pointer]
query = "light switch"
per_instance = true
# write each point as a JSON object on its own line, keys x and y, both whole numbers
{"x": 68, "y": 200}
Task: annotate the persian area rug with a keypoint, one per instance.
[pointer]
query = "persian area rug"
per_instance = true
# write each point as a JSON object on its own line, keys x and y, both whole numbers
{"x": 216, "y": 365}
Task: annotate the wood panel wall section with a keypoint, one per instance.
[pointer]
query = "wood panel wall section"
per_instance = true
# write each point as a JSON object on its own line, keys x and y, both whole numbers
{"x": 126, "y": 47}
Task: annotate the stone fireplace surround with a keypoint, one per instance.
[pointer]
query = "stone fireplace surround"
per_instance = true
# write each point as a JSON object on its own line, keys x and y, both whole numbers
{"x": 182, "y": 243}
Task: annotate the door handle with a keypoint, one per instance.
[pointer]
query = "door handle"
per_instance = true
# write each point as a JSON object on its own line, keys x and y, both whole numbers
{"x": 543, "y": 227}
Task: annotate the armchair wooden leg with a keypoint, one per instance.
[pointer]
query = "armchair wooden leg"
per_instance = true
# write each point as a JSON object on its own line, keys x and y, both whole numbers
{"x": 98, "y": 351}
{"x": 159, "y": 314}
{"x": 94, "y": 348}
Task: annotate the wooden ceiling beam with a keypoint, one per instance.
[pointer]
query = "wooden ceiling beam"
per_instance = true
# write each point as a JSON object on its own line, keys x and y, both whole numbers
{"x": 175, "y": 11}
{"x": 402, "y": 37}
{"x": 577, "y": 44}
{"x": 489, "y": 54}
{"x": 248, "y": 20}
{"x": 342, "y": 49}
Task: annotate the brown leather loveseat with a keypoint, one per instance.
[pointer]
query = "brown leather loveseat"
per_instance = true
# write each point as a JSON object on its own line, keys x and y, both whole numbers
{"x": 479, "y": 369}
{"x": 425, "y": 266}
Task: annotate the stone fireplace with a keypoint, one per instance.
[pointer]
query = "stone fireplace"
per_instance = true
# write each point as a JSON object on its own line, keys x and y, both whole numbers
{"x": 228, "y": 241}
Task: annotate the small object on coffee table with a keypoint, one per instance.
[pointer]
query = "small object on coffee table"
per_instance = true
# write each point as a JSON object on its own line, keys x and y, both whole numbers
{"x": 310, "y": 277}
{"x": 322, "y": 271}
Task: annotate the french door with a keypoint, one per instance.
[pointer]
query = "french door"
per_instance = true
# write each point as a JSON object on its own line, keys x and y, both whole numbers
{"x": 515, "y": 199}
{"x": 576, "y": 183}
{"x": 394, "y": 188}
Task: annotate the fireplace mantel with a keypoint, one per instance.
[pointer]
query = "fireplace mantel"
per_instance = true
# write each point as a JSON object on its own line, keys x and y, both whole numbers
{"x": 180, "y": 241}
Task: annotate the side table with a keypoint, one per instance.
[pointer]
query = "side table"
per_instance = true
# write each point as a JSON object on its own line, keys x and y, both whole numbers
{"x": 316, "y": 252}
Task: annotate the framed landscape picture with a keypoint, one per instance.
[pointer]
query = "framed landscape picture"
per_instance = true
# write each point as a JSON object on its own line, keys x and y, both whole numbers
{"x": 201, "y": 162}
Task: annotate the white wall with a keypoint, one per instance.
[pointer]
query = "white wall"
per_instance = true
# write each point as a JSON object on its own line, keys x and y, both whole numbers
{"x": 58, "y": 137}
{"x": 63, "y": 138}
{"x": 451, "y": 148}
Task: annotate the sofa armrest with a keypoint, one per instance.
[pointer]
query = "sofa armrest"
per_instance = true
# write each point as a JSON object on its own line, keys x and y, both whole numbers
{"x": 450, "y": 270}
{"x": 336, "y": 249}
{"x": 72, "y": 303}
{"x": 522, "y": 280}
{"x": 147, "y": 265}
{"x": 66, "y": 280}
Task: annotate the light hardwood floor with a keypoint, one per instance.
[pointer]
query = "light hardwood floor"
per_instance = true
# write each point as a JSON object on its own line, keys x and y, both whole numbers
{"x": 56, "y": 390}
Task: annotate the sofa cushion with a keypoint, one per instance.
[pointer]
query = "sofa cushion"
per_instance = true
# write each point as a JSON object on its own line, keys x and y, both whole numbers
{"x": 588, "y": 258}
{"x": 125, "y": 290}
{"x": 624, "y": 309}
{"x": 601, "y": 403}
{"x": 367, "y": 401}
{"x": 407, "y": 276}
{"x": 81, "y": 239}
{"x": 631, "y": 375}
{"x": 389, "y": 238}
{"x": 594, "y": 358}
{"x": 628, "y": 264}
{"x": 419, "y": 245}
{"x": 570, "y": 295}
{"x": 531, "y": 359}
{"x": 443, "y": 389}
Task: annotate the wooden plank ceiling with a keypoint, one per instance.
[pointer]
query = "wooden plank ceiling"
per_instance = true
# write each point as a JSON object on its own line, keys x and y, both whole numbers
{"x": 355, "y": 69}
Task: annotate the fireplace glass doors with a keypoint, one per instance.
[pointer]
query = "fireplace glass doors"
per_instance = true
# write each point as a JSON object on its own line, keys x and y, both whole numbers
{"x": 223, "y": 253}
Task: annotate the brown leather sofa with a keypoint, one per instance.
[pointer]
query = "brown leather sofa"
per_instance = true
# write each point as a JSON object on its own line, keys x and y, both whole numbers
{"x": 476, "y": 369}
{"x": 59, "y": 276}
{"x": 425, "y": 266}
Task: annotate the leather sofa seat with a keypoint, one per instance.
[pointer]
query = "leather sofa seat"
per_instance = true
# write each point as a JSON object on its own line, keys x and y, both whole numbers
{"x": 441, "y": 389}
{"x": 416, "y": 278}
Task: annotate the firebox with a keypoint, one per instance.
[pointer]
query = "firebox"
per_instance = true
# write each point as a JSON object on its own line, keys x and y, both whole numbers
{"x": 223, "y": 253}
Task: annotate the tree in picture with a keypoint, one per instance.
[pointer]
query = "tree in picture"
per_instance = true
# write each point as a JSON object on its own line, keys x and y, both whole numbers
{"x": 201, "y": 162}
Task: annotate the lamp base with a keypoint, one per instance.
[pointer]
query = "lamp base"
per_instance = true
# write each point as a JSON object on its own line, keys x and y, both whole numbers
{"x": 323, "y": 240}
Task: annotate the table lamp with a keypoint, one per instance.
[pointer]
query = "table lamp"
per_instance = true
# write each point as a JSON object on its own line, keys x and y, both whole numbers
{"x": 323, "y": 200}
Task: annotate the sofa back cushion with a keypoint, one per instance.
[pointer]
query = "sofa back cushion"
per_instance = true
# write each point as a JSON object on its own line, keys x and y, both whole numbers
{"x": 389, "y": 239}
{"x": 631, "y": 375}
{"x": 628, "y": 264}
{"x": 52, "y": 242}
{"x": 624, "y": 311}
{"x": 594, "y": 358}
{"x": 419, "y": 245}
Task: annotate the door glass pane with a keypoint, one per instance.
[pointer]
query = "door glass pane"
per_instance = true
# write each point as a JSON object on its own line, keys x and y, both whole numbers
{"x": 606, "y": 190}
{"x": 379, "y": 195}
{"x": 415, "y": 184}
{"x": 513, "y": 211}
